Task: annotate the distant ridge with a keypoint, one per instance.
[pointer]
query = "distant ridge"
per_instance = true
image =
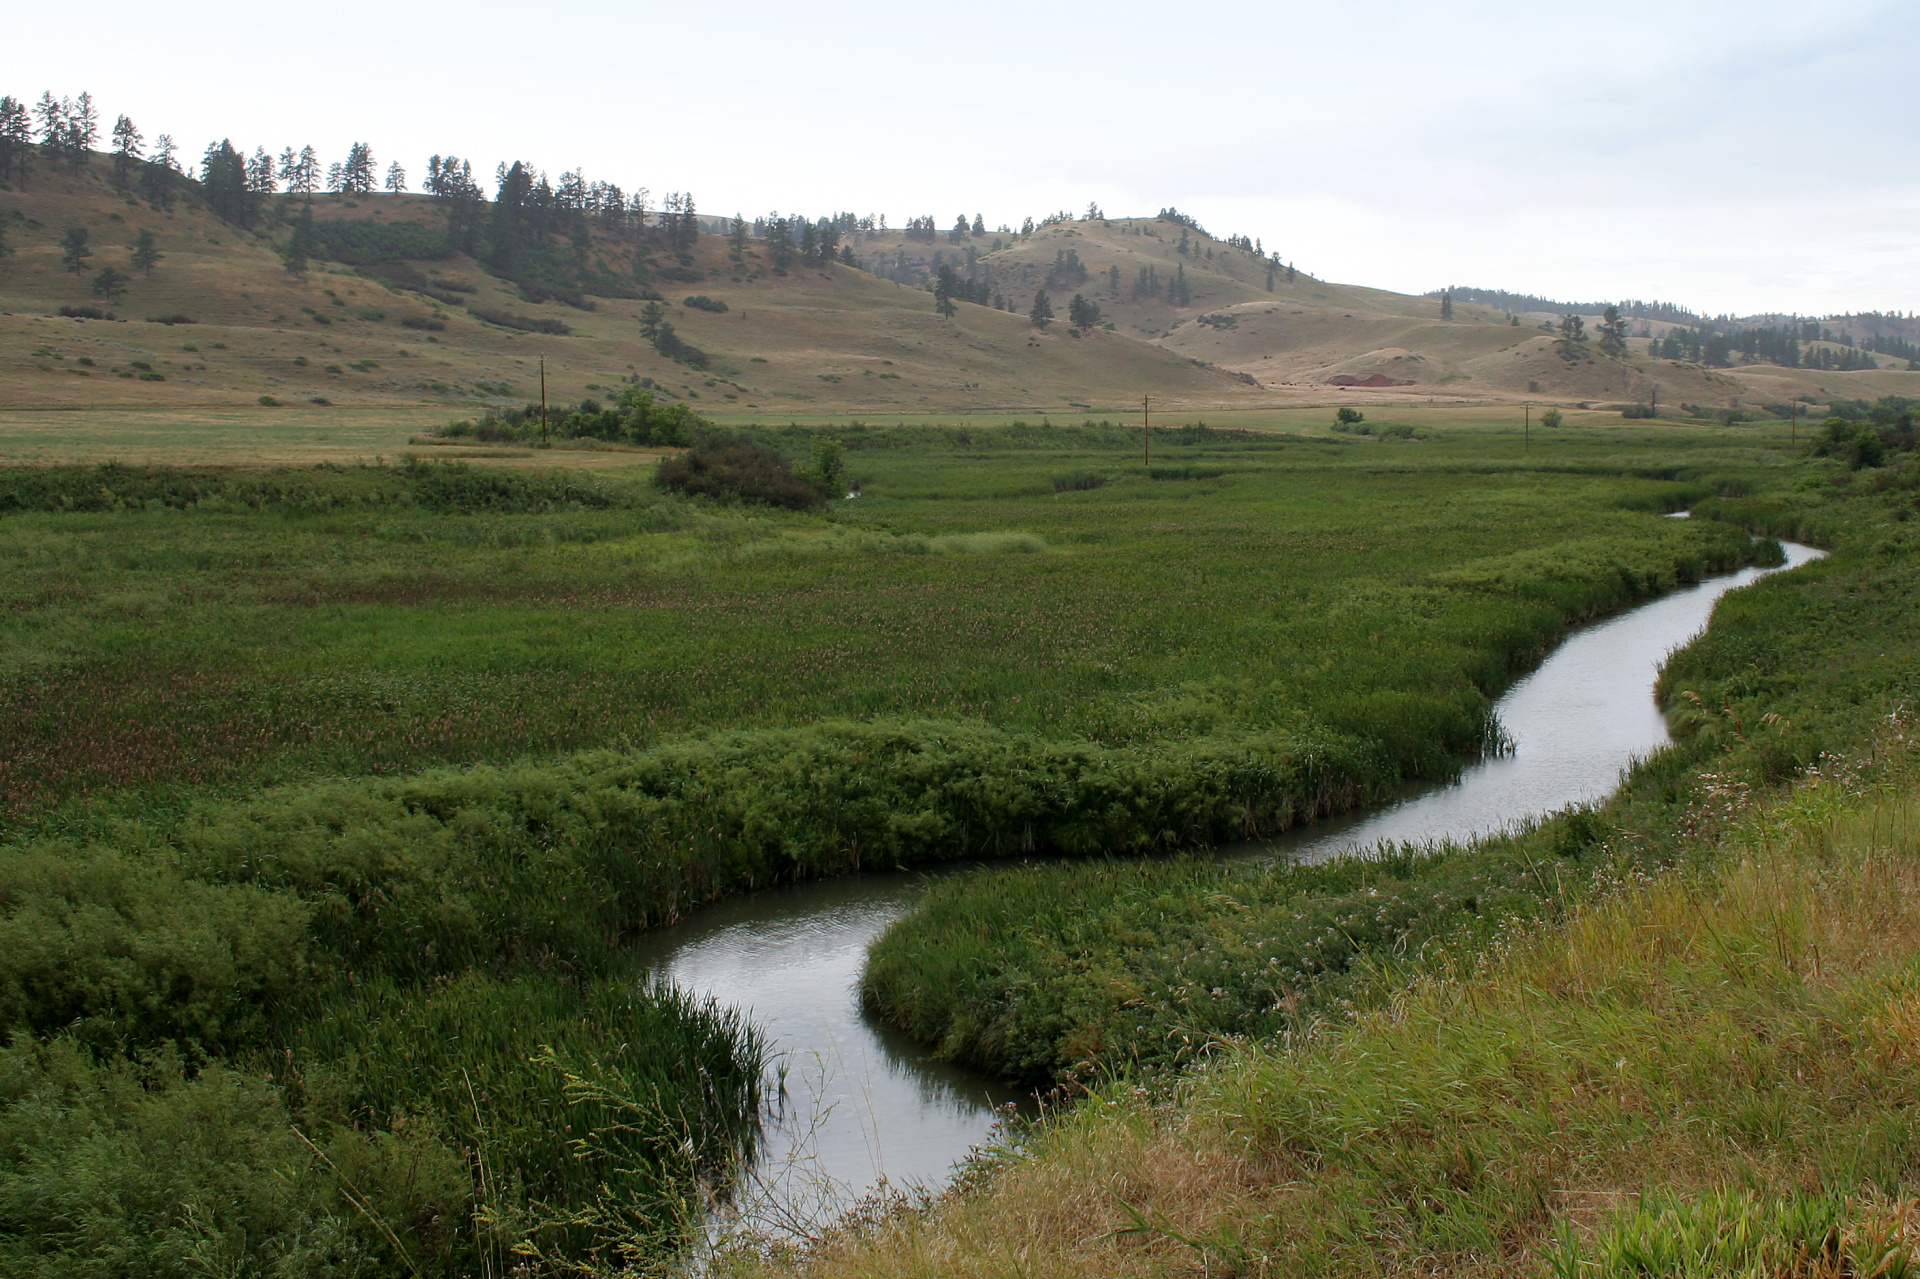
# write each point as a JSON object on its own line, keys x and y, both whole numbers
{"x": 1665, "y": 312}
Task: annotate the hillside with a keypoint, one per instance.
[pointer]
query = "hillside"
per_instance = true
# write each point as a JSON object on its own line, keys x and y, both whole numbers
{"x": 1304, "y": 332}
{"x": 821, "y": 337}
{"x": 1194, "y": 321}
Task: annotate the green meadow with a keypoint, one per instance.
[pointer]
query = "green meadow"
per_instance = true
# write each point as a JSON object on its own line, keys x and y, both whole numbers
{"x": 333, "y": 793}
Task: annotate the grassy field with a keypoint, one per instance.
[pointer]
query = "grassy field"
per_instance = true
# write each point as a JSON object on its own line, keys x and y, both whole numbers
{"x": 333, "y": 792}
{"x": 1288, "y": 582}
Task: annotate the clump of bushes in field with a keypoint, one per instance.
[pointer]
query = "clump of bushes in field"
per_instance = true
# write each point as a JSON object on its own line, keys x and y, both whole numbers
{"x": 737, "y": 469}
{"x": 636, "y": 417}
{"x": 1866, "y": 444}
{"x": 1078, "y": 481}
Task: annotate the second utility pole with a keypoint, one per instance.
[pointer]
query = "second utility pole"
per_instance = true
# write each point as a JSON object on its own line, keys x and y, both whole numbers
{"x": 1146, "y": 435}
{"x": 543, "y": 399}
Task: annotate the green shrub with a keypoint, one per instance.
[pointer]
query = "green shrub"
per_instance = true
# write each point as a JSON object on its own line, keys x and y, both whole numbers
{"x": 737, "y": 470}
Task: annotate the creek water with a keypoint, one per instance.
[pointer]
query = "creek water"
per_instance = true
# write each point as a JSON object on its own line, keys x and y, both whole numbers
{"x": 861, "y": 1106}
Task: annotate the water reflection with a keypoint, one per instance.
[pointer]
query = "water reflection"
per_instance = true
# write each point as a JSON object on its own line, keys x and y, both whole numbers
{"x": 861, "y": 1101}
{"x": 1576, "y": 722}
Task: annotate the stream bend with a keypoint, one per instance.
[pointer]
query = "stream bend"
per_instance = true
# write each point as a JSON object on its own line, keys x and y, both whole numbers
{"x": 863, "y": 1103}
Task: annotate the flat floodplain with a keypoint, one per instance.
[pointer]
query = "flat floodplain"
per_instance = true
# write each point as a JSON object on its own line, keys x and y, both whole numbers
{"x": 1263, "y": 578}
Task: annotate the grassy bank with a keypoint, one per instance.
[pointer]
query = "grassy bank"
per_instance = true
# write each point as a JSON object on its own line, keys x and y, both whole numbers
{"x": 1704, "y": 1069}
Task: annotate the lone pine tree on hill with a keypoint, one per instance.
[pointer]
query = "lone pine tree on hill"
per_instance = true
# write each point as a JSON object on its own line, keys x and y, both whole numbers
{"x": 945, "y": 285}
{"x": 109, "y": 284}
{"x": 1083, "y": 314}
{"x": 146, "y": 253}
{"x": 1042, "y": 312}
{"x": 1573, "y": 338}
{"x": 1613, "y": 333}
{"x": 1446, "y": 305}
{"x": 126, "y": 152}
{"x": 74, "y": 250}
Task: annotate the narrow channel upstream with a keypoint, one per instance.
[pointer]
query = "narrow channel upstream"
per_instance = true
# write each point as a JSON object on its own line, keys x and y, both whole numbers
{"x": 863, "y": 1103}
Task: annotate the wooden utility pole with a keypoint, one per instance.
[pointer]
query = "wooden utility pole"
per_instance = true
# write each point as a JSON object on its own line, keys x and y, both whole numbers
{"x": 1793, "y": 425}
{"x": 1526, "y": 431}
{"x": 1146, "y": 435}
{"x": 543, "y": 399}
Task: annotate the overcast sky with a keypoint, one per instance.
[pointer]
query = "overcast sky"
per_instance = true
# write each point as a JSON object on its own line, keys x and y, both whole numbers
{"x": 1728, "y": 156}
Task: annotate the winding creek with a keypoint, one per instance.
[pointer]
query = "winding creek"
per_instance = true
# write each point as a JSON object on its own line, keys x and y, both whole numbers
{"x": 862, "y": 1103}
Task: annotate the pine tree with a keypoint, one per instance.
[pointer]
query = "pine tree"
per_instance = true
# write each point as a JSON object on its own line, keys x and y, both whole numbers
{"x": 300, "y": 243}
{"x": 779, "y": 245}
{"x": 108, "y": 284}
{"x": 737, "y": 239}
{"x": 260, "y": 181}
{"x": 6, "y": 250}
{"x": 1083, "y": 314}
{"x": 223, "y": 174}
{"x": 83, "y": 130}
{"x": 126, "y": 151}
{"x": 74, "y": 250}
{"x": 396, "y": 179}
{"x": 16, "y": 140}
{"x": 979, "y": 225}
{"x": 945, "y": 285}
{"x": 1271, "y": 267}
{"x": 1042, "y": 312}
{"x": 53, "y": 124}
{"x": 146, "y": 253}
{"x": 1177, "y": 292}
{"x": 846, "y": 256}
{"x": 1613, "y": 333}
{"x": 1573, "y": 337}
{"x": 1446, "y": 305}
{"x": 356, "y": 174}
{"x": 1113, "y": 280}
{"x": 652, "y": 316}
{"x": 161, "y": 169}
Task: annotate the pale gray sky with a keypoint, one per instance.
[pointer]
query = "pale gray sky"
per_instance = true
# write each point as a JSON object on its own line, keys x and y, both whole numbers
{"x": 1728, "y": 156}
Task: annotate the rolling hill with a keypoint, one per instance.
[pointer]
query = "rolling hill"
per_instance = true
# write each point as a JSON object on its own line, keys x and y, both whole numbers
{"x": 1192, "y": 320}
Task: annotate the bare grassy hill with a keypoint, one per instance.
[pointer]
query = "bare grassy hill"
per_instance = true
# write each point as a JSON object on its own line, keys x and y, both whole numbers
{"x": 1300, "y": 334}
{"x": 1191, "y": 320}
{"x": 829, "y": 337}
